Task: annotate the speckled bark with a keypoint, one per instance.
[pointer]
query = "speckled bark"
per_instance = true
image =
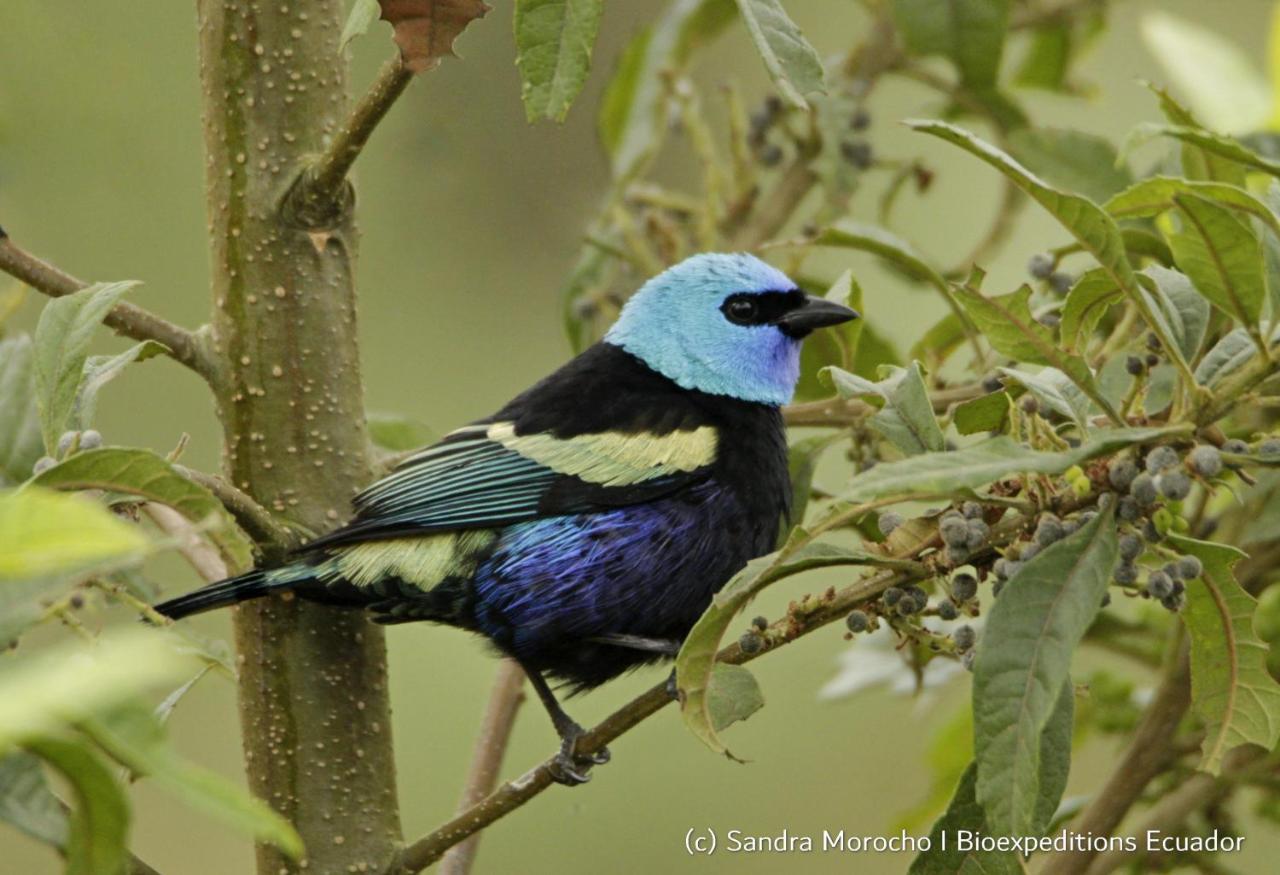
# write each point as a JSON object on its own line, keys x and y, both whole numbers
{"x": 313, "y": 695}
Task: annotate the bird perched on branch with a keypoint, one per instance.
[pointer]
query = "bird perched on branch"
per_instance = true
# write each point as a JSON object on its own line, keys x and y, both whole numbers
{"x": 585, "y": 526}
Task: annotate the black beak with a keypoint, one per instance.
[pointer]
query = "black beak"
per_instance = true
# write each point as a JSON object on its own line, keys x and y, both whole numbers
{"x": 813, "y": 314}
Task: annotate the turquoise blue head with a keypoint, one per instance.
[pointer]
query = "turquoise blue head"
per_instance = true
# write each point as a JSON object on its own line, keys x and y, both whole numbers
{"x": 726, "y": 324}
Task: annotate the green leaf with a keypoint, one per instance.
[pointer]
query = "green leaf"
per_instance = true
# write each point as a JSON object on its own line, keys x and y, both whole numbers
{"x": 395, "y": 433}
{"x": 907, "y": 419}
{"x": 696, "y": 661}
{"x": 146, "y": 475}
{"x": 363, "y": 14}
{"x": 554, "y": 39}
{"x": 20, "y": 443}
{"x": 1213, "y": 145}
{"x": 893, "y": 249}
{"x": 963, "y": 814}
{"x": 61, "y": 342}
{"x": 969, "y": 33}
{"x": 1219, "y": 79}
{"x": 99, "y": 822}
{"x": 984, "y": 462}
{"x": 1055, "y": 391}
{"x": 1071, "y": 160}
{"x": 43, "y": 534}
{"x": 1228, "y": 355}
{"x": 873, "y": 352}
{"x": 793, "y": 65}
{"x": 733, "y": 695}
{"x": 985, "y": 413}
{"x": 1008, "y": 325}
{"x": 1155, "y": 195}
{"x": 135, "y": 738}
{"x": 1197, "y": 162}
{"x": 1048, "y": 59}
{"x": 1222, "y": 256}
{"x": 1023, "y": 664}
{"x": 1090, "y": 298}
{"x": 937, "y": 344}
{"x": 1183, "y": 313}
{"x": 1231, "y": 689}
{"x": 66, "y": 685}
{"x": 102, "y": 369}
{"x": 27, "y": 803}
{"x": 633, "y": 110}
{"x": 837, "y": 345}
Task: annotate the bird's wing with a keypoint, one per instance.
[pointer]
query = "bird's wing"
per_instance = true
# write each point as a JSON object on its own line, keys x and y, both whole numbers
{"x": 489, "y": 475}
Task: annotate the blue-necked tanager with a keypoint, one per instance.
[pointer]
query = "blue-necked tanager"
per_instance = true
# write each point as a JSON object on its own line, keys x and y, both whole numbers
{"x": 585, "y": 526}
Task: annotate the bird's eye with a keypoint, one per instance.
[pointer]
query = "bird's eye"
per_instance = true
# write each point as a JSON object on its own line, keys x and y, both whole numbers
{"x": 741, "y": 310}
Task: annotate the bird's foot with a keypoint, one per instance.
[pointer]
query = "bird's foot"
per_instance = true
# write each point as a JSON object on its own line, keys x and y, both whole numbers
{"x": 570, "y": 767}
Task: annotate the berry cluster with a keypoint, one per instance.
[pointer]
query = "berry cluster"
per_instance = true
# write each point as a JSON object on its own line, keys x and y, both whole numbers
{"x": 69, "y": 444}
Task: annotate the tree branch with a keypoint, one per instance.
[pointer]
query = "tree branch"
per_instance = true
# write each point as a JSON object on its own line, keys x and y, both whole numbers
{"x": 255, "y": 519}
{"x": 127, "y": 319}
{"x": 196, "y": 550}
{"x": 491, "y": 747}
{"x": 324, "y": 183}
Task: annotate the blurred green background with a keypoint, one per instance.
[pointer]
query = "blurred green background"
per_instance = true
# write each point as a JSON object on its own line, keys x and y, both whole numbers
{"x": 470, "y": 219}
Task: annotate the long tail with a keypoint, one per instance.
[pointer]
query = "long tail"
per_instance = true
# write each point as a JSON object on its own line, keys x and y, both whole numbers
{"x": 234, "y": 590}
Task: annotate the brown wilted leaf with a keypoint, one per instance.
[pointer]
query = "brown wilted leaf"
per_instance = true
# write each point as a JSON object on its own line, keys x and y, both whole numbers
{"x": 425, "y": 29}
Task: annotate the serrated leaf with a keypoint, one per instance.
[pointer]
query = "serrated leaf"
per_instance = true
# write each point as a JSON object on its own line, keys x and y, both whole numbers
{"x": 102, "y": 369}
{"x": 696, "y": 660}
{"x": 1071, "y": 160}
{"x": 27, "y": 803}
{"x": 149, "y": 476}
{"x": 363, "y": 14}
{"x": 984, "y": 462}
{"x": 793, "y": 65}
{"x": 1231, "y": 689}
{"x": 44, "y": 535}
{"x": 1222, "y": 256}
{"x": 99, "y": 821}
{"x": 61, "y": 347}
{"x": 1183, "y": 313}
{"x": 1023, "y": 663}
{"x": 554, "y": 40}
{"x": 135, "y": 738}
{"x": 969, "y": 33}
{"x": 1220, "y": 81}
{"x": 1093, "y": 294}
{"x": 425, "y": 29}
{"x": 733, "y": 695}
{"x": 20, "y": 441}
{"x": 906, "y": 420}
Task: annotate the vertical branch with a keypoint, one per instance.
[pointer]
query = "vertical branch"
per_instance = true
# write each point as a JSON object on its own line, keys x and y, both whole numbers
{"x": 491, "y": 746}
{"x": 313, "y": 691}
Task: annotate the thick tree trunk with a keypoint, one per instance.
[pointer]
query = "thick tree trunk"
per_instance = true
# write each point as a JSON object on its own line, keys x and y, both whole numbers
{"x": 313, "y": 693}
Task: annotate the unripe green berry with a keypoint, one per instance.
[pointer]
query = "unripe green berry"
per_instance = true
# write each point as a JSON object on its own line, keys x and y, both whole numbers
{"x": 1162, "y": 520}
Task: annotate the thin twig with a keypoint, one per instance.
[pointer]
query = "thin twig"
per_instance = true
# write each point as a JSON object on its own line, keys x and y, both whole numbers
{"x": 491, "y": 747}
{"x": 195, "y": 549}
{"x": 326, "y": 178}
{"x": 255, "y": 519}
{"x": 125, "y": 318}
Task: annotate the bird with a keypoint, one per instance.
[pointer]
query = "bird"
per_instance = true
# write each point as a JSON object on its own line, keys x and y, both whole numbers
{"x": 584, "y": 527}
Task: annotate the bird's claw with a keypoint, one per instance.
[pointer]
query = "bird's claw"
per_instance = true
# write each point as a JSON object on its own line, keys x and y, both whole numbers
{"x": 571, "y": 768}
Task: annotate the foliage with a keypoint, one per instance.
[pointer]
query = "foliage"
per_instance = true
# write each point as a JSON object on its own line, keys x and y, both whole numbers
{"x": 1082, "y": 461}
